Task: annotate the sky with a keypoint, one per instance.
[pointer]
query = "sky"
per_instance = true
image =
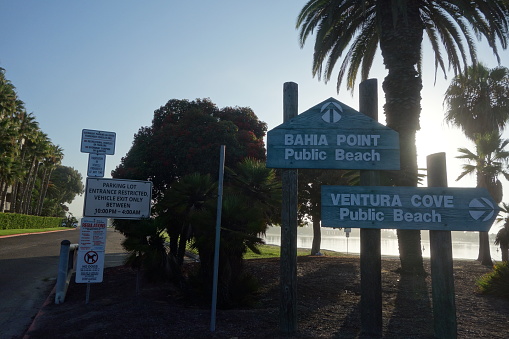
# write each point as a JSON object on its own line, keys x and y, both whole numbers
{"x": 107, "y": 65}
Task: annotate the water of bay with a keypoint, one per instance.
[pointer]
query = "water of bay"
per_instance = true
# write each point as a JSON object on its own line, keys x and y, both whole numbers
{"x": 465, "y": 245}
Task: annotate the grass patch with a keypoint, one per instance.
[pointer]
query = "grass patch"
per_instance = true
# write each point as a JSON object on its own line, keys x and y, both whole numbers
{"x": 23, "y": 231}
{"x": 273, "y": 251}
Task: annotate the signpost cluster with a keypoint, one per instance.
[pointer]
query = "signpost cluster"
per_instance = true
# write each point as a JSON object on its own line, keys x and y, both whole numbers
{"x": 104, "y": 198}
{"x": 332, "y": 135}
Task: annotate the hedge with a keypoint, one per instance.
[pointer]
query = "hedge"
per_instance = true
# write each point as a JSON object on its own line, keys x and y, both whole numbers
{"x": 22, "y": 221}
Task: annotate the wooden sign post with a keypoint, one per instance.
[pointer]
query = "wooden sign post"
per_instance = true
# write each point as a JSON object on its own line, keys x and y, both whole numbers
{"x": 371, "y": 252}
{"x": 330, "y": 135}
{"x": 288, "y": 260}
{"x": 442, "y": 278}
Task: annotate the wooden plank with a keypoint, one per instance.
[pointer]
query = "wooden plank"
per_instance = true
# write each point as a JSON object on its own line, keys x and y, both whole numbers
{"x": 442, "y": 279}
{"x": 288, "y": 258}
{"x": 370, "y": 257}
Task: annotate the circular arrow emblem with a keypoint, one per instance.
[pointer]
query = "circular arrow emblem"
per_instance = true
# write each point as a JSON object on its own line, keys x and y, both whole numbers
{"x": 331, "y": 114}
{"x": 481, "y": 208}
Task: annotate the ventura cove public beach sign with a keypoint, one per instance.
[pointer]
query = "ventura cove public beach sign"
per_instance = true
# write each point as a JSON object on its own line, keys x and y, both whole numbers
{"x": 332, "y": 135}
{"x": 423, "y": 208}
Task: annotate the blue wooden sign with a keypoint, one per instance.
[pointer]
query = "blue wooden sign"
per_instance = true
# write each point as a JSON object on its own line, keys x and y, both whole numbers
{"x": 335, "y": 136}
{"x": 431, "y": 208}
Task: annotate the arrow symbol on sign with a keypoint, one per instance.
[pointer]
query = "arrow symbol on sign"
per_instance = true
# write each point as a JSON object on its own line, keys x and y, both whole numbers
{"x": 481, "y": 207}
{"x": 331, "y": 115}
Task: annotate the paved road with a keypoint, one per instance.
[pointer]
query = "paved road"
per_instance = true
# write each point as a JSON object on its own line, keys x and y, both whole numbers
{"x": 28, "y": 271}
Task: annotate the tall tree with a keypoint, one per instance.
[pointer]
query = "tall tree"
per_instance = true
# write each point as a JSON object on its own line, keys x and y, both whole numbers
{"x": 487, "y": 163}
{"x": 478, "y": 103}
{"x": 50, "y": 162}
{"x": 185, "y": 137}
{"x": 65, "y": 184}
{"x": 353, "y": 30}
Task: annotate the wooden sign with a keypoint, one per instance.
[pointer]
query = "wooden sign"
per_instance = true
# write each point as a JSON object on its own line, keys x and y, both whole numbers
{"x": 334, "y": 136}
{"x": 432, "y": 208}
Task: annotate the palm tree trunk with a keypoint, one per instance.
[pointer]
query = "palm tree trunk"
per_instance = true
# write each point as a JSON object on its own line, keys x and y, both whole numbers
{"x": 505, "y": 252}
{"x": 44, "y": 188}
{"x": 402, "y": 88}
{"x": 3, "y": 194}
{"x": 484, "y": 249}
{"x": 317, "y": 236}
{"x": 30, "y": 188}
{"x": 26, "y": 188}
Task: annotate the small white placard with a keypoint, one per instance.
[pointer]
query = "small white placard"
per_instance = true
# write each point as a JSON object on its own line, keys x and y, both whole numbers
{"x": 96, "y": 165}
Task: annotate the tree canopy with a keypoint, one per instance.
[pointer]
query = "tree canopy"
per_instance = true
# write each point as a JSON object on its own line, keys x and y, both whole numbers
{"x": 185, "y": 137}
{"x": 27, "y": 159}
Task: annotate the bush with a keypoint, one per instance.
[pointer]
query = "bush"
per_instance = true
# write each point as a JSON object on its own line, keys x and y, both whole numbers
{"x": 496, "y": 282}
{"x": 10, "y": 221}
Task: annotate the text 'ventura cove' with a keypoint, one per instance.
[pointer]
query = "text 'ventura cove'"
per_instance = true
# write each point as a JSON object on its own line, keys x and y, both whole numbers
{"x": 377, "y": 207}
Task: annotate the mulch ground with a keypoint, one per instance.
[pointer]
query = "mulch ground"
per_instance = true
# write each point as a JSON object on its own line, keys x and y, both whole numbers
{"x": 328, "y": 306}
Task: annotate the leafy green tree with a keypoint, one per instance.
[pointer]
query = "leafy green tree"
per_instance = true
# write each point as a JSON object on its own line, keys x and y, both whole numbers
{"x": 64, "y": 185}
{"x": 487, "y": 163}
{"x": 353, "y": 30}
{"x": 185, "y": 137}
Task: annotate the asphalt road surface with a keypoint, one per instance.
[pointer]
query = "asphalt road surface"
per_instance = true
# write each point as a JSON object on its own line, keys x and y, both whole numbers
{"x": 28, "y": 272}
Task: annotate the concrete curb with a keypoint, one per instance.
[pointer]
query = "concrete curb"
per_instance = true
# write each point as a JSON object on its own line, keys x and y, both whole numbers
{"x": 19, "y": 235}
{"x": 33, "y": 326}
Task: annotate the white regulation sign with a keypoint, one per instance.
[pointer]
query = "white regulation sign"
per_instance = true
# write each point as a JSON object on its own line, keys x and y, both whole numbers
{"x": 117, "y": 198}
{"x": 90, "y": 261}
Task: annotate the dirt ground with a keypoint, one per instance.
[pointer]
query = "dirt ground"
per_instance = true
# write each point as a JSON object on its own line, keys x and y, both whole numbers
{"x": 328, "y": 306}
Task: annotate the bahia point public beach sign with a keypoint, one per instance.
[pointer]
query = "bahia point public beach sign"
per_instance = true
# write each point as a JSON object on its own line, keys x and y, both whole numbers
{"x": 332, "y": 135}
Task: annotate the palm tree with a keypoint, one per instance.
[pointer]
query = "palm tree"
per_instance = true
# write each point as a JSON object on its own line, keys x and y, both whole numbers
{"x": 50, "y": 162}
{"x": 477, "y": 102}
{"x": 28, "y": 132}
{"x": 353, "y": 30}
{"x": 185, "y": 198}
{"x": 502, "y": 238}
{"x": 488, "y": 163}
{"x": 251, "y": 199}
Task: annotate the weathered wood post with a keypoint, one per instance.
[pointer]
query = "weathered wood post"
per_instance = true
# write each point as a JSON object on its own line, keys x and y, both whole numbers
{"x": 442, "y": 279}
{"x": 370, "y": 257}
{"x": 288, "y": 260}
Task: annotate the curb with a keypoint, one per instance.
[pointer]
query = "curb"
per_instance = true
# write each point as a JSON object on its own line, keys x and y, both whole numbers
{"x": 33, "y": 326}
{"x": 20, "y": 234}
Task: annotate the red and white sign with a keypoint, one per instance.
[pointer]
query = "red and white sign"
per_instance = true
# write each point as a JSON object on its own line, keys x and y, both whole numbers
{"x": 92, "y": 244}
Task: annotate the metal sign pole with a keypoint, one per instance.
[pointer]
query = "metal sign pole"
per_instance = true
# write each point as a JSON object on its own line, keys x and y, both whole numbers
{"x": 218, "y": 233}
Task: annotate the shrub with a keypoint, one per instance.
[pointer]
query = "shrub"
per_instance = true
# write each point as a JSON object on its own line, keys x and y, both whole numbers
{"x": 22, "y": 221}
{"x": 496, "y": 282}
